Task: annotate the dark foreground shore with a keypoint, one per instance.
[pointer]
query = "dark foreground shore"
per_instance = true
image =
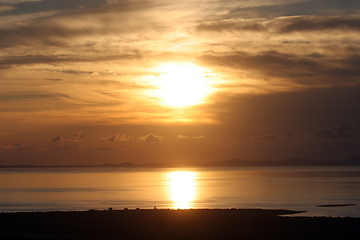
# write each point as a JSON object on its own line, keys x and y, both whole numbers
{"x": 175, "y": 224}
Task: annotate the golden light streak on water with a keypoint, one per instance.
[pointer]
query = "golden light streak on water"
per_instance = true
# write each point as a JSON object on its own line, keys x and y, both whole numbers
{"x": 182, "y": 187}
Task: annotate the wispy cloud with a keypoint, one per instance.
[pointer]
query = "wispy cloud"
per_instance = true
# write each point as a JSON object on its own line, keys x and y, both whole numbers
{"x": 6, "y": 8}
{"x": 198, "y": 137}
{"x": 303, "y": 69}
{"x": 27, "y": 60}
{"x": 14, "y": 97}
{"x": 284, "y": 25}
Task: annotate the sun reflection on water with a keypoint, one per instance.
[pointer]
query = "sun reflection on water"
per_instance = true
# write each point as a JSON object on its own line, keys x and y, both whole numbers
{"x": 182, "y": 187}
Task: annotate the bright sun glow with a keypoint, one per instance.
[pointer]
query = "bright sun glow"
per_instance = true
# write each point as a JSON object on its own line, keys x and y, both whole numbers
{"x": 182, "y": 84}
{"x": 182, "y": 189}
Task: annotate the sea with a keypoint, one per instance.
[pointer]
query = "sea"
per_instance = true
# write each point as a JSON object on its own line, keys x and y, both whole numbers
{"x": 320, "y": 191}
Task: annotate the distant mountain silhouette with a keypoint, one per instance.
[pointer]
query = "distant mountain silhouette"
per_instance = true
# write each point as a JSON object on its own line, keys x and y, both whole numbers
{"x": 125, "y": 164}
{"x": 353, "y": 161}
{"x": 231, "y": 162}
{"x": 173, "y": 164}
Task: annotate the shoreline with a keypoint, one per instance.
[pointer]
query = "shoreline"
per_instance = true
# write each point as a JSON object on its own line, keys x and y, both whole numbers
{"x": 275, "y": 212}
{"x": 175, "y": 224}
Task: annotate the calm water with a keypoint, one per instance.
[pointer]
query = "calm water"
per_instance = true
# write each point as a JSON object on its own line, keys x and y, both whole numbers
{"x": 297, "y": 188}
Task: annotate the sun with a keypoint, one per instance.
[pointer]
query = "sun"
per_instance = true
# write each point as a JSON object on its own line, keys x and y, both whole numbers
{"x": 182, "y": 84}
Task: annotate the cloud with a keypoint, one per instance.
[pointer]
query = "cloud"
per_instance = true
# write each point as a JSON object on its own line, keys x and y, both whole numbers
{"x": 58, "y": 139}
{"x": 112, "y": 138}
{"x": 277, "y": 136}
{"x": 151, "y": 138}
{"x": 33, "y": 6}
{"x": 182, "y": 137}
{"x": 283, "y": 25}
{"x": 76, "y": 72}
{"x": 79, "y": 7}
{"x": 316, "y": 23}
{"x": 77, "y": 137}
{"x": 231, "y": 26}
{"x": 345, "y": 130}
{"x": 304, "y": 69}
{"x": 49, "y": 59}
{"x": 55, "y": 23}
{"x": 5, "y": 8}
{"x": 117, "y": 137}
{"x": 18, "y": 147}
{"x": 7, "y": 147}
{"x": 319, "y": 7}
{"x": 198, "y": 137}
{"x": 267, "y": 136}
{"x": 39, "y": 34}
{"x": 289, "y": 50}
{"x": 30, "y": 96}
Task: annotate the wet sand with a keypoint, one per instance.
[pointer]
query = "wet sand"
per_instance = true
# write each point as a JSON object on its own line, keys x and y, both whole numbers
{"x": 175, "y": 224}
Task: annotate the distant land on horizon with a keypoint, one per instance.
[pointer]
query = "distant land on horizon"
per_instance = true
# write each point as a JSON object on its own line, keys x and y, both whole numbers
{"x": 353, "y": 161}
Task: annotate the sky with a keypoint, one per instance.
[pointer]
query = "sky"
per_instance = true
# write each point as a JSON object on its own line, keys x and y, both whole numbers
{"x": 112, "y": 81}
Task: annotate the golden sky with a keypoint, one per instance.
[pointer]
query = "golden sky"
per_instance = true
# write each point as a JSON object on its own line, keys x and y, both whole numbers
{"x": 90, "y": 82}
